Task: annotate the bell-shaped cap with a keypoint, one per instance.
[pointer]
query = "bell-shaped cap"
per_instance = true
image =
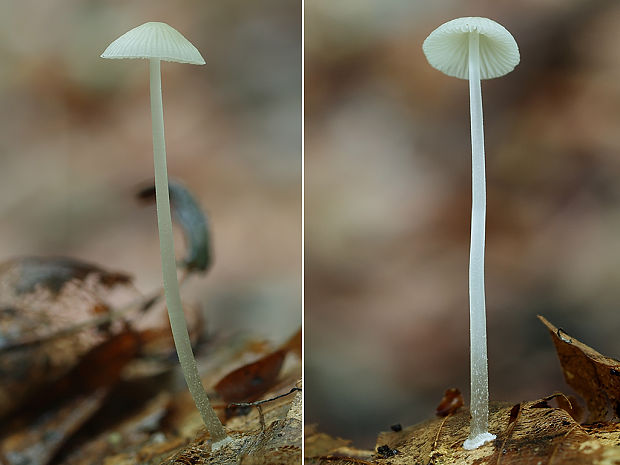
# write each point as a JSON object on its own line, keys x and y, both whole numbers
{"x": 154, "y": 40}
{"x": 447, "y": 48}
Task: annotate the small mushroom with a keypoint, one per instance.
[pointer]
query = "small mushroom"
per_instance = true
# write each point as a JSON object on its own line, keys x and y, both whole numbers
{"x": 475, "y": 49}
{"x": 156, "y": 42}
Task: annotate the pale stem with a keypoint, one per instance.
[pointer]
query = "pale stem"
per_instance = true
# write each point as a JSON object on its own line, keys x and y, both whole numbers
{"x": 168, "y": 263}
{"x": 477, "y": 313}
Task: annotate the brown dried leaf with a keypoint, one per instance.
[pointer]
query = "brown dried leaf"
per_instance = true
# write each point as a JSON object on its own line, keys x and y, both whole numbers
{"x": 177, "y": 431}
{"x": 278, "y": 443}
{"x": 318, "y": 444}
{"x": 571, "y": 405}
{"x": 322, "y": 448}
{"x": 133, "y": 433}
{"x": 595, "y": 377}
{"x": 52, "y": 313}
{"x": 37, "y": 443}
{"x": 80, "y": 393}
{"x": 529, "y": 433}
{"x": 100, "y": 367}
{"x": 566, "y": 403}
{"x": 452, "y": 400}
{"x": 294, "y": 343}
{"x": 250, "y": 381}
{"x": 338, "y": 460}
{"x": 53, "y": 273}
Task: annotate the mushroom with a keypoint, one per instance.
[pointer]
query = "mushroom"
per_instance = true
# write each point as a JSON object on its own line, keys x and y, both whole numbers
{"x": 158, "y": 41}
{"x": 475, "y": 49}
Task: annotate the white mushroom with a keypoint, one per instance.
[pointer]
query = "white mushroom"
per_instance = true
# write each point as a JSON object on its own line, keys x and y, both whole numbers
{"x": 475, "y": 49}
{"x": 158, "y": 41}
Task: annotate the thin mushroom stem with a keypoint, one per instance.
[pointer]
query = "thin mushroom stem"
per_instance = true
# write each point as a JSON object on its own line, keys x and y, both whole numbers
{"x": 477, "y": 312}
{"x": 171, "y": 284}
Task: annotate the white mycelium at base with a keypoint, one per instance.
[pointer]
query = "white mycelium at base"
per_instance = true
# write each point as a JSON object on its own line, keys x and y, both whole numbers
{"x": 475, "y": 442}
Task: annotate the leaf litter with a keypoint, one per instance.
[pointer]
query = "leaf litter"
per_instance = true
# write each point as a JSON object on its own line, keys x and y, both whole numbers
{"x": 528, "y": 433}
{"x": 593, "y": 376}
{"x": 44, "y": 322}
{"x": 62, "y": 407}
{"x": 89, "y": 373}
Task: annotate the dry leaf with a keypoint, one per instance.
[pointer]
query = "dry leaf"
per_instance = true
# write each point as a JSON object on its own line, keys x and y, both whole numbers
{"x": 37, "y": 443}
{"x": 294, "y": 343}
{"x": 141, "y": 429}
{"x": 595, "y": 377}
{"x": 529, "y": 433}
{"x": 169, "y": 427}
{"x": 452, "y": 400}
{"x": 320, "y": 444}
{"x": 53, "y": 311}
{"x": 279, "y": 443}
{"x": 53, "y": 273}
{"x": 251, "y": 380}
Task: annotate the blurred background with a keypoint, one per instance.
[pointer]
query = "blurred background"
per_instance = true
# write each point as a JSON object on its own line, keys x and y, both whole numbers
{"x": 388, "y": 198}
{"x": 75, "y": 144}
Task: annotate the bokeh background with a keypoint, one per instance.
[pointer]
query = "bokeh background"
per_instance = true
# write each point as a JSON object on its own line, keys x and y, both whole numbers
{"x": 75, "y": 144}
{"x": 388, "y": 196}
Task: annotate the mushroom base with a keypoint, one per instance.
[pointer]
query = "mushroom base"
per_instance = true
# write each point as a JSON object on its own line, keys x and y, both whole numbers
{"x": 477, "y": 441}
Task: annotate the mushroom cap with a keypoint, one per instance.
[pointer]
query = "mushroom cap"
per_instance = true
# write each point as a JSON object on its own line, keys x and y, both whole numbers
{"x": 154, "y": 40}
{"x": 447, "y": 48}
